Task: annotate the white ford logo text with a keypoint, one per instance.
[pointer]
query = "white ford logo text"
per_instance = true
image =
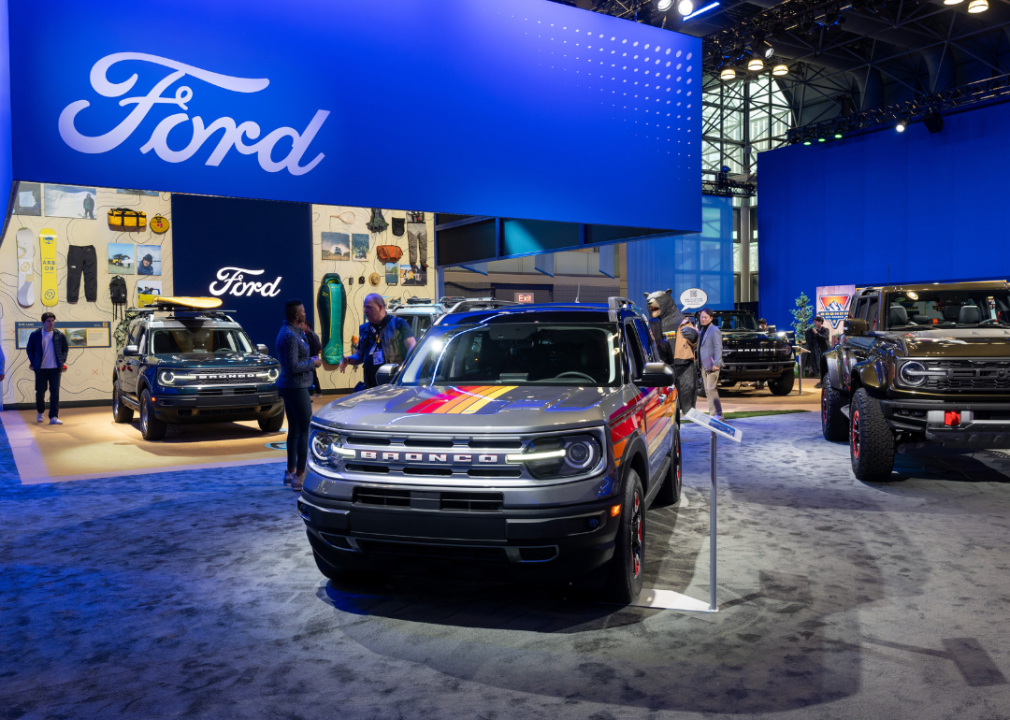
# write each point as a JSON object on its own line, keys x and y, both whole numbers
{"x": 233, "y": 283}
{"x": 233, "y": 133}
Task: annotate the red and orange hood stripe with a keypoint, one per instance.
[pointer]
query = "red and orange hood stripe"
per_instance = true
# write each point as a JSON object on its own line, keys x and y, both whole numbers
{"x": 462, "y": 400}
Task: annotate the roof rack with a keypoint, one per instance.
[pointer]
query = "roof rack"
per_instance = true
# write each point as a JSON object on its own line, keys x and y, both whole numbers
{"x": 479, "y": 304}
{"x": 177, "y": 311}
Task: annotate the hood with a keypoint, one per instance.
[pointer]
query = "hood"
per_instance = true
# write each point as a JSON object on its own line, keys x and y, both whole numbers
{"x": 472, "y": 408}
{"x": 221, "y": 360}
{"x": 731, "y": 337}
{"x": 961, "y": 342}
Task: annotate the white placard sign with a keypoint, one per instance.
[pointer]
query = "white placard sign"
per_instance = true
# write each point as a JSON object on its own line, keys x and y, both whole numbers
{"x": 716, "y": 426}
{"x": 693, "y": 298}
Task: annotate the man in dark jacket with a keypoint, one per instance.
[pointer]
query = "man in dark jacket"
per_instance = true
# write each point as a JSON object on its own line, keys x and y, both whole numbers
{"x": 383, "y": 339}
{"x": 47, "y": 352}
{"x": 677, "y": 339}
{"x": 817, "y": 339}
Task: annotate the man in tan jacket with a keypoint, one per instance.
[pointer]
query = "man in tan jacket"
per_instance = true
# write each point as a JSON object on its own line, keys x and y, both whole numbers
{"x": 677, "y": 339}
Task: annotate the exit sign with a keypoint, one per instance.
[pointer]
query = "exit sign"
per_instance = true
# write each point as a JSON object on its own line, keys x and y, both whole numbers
{"x": 524, "y": 297}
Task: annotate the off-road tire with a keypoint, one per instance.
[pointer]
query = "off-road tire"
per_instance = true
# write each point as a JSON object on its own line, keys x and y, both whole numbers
{"x": 627, "y": 567}
{"x": 120, "y": 413}
{"x": 871, "y": 443}
{"x": 272, "y": 424}
{"x": 834, "y": 424}
{"x": 151, "y": 428}
{"x": 669, "y": 492}
{"x": 784, "y": 384}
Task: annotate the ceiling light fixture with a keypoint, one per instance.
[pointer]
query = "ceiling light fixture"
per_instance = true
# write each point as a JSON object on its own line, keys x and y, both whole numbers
{"x": 902, "y": 124}
{"x": 977, "y": 6}
{"x": 664, "y": 5}
{"x": 952, "y": 2}
{"x": 685, "y": 7}
{"x": 727, "y": 74}
{"x": 780, "y": 69}
{"x": 755, "y": 64}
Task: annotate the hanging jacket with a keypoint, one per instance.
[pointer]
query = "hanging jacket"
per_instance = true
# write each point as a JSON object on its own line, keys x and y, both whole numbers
{"x": 331, "y": 327}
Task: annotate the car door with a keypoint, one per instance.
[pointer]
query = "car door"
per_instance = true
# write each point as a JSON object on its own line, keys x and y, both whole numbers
{"x": 658, "y": 403}
{"x": 132, "y": 363}
{"x": 857, "y": 348}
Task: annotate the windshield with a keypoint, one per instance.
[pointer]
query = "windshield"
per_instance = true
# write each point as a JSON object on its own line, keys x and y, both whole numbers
{"x": 516, "y": 354}
{"x": 948, "y": 309}
{"x": 198, "y": 339}
{"x": 735, "y": 321}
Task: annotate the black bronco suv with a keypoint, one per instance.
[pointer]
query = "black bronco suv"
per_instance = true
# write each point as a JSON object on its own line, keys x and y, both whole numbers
{"x": 749, "y": 354}
{"x": 919, "y": 364}
{"x": 186, "y": 366}
{"x": 522, "y": 441}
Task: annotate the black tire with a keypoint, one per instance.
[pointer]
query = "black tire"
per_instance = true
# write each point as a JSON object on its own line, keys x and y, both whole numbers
{"x": 120, "y": 413}
{"x": 272, "y": 424}
{"x": 151, "y": 428}
{"x": 784, "y": 385}
{"x": 669, "y": 493}
{"x": 834, "y": 424}
{"x": 627, "y": 568}
{"x": 871, "y": 443}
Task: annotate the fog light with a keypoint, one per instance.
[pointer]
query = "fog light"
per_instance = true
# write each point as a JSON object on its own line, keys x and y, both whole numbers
{"x": 615, "y": 511}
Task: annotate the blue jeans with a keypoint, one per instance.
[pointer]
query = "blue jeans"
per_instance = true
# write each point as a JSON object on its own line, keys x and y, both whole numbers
{"x": 298, "y": 407}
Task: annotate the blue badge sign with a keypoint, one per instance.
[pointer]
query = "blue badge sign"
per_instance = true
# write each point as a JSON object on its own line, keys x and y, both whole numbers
{"x": 518, "y": 109}
{"x": 716, "y": 426}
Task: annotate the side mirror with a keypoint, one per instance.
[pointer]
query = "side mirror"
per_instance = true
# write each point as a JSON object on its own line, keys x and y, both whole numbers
{"x": 855, "y": 327}
{"x": 386, "y": 373}
{"x": 656, "y": 374}
{"x": 131, "y": 350}
{"x": 262, "y": 349}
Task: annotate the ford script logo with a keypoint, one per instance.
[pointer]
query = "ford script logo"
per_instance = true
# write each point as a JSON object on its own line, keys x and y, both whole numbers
{"x": 234, "y": 134}
{"x": 232, "y": 281}
{"x": 431, "y": 457}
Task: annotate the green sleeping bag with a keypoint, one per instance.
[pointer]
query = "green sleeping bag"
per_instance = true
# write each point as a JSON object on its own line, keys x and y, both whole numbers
{"x": 332, "y": 305}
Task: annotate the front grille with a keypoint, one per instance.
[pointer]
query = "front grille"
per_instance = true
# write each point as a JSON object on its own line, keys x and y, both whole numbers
{"x": 969, "y": 375}
{"x": 213, "y": 392}
{"x": 483, "y": 502}
{"x": 230, "y": 377}
{"x": 745, "y": 353}
{"x": 362, "y": 468}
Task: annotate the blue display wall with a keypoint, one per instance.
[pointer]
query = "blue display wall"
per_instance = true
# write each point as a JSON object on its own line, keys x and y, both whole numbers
{"x": 520, "y": 109}
{"x": 699, "y": 260}
{"x": 885, "y": 207}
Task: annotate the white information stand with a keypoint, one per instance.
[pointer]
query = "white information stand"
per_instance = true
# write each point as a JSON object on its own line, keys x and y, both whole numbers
{"x": 716, "y": 428}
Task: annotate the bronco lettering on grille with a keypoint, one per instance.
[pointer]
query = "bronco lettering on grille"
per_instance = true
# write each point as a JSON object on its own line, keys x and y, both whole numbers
{"x": 431, "y": 457}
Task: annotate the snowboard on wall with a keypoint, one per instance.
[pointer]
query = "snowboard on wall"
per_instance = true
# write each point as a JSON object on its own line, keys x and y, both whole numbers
{"x": 47, "y": 244}
{"x": 26, "y": 267}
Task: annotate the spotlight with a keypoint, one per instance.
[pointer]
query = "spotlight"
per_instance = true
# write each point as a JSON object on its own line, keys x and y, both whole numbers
{"x": 821, "y": 139}
{"x": 977, "y": 6}
{"x": 838, "y": 136}
{"x": 755, "y": 64}
{"x": 806, "y": 24}
{"x": 684, "y": 7}
{"x": 780, "y": 69}
{"x": 933, "y": 121}
{"x": 727, "y": 74}
{"x": 952, "y": 2}
{"x": 831, "y": 17}
{"x": 664, "y": 5}
{"x": 902, "y": 124}
{"x": 760, "y": 46}
{"x": 806, "y": 142}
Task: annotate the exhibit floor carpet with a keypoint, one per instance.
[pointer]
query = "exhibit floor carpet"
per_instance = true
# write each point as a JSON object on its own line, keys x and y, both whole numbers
{"x": 90, "y": 445}
{"x": 193, "y": 594}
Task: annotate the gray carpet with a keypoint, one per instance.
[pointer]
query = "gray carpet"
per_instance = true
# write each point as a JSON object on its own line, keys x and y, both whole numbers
{"x": 194, "y": 594}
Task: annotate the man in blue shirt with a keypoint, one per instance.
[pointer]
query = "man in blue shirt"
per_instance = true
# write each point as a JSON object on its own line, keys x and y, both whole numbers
{"x": 47, "y": 352}
{"x": 383, "y": 339}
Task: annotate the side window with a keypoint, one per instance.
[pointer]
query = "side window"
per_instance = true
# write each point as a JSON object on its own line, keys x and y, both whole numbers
{"x": 648, "y": 344}
{"x": 636, "y": 357}
{"x": 142, "y": 340}
{"x": 135, "y": 333}
{"x": 871, "y": 312}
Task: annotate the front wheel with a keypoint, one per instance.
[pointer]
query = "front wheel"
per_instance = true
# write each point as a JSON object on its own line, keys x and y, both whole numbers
{"x": 151, "y": 428}
{"x": 624, "y": 582}
{"x": 120, "y": 413}
{"x": 783, "y": 385}
{"x": 272, "y": 424}
{"x": 834, "y": 424}
{"x": 871, "y": 443}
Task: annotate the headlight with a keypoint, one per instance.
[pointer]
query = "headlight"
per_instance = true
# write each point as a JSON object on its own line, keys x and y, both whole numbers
{"x": 914, "y": 374}
{"x": 784, "y": 350}
{"x": 273, "y": 374}
{"x": 327, "y": 447}
{"x": 558, "y": 457}
{"x": 166, "y": 377}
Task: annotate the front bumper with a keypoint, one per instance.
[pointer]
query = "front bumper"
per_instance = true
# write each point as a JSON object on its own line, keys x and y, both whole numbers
{"x": 982, "y": 425}
{"x": 754, "y": 370}
{"x": 181, "y": 408}
{"x": 531, "y": 543}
